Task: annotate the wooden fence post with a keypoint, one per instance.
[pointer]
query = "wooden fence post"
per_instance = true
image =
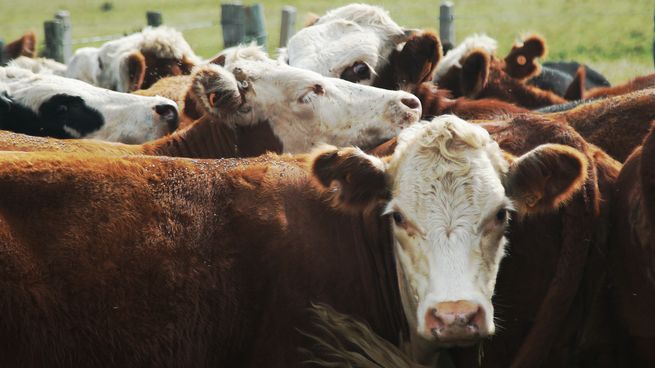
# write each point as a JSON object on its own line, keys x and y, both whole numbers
{"x": 446, "y": 22}
{"x": 64, "y": 16}
{"x": 288, "y": 27}
{"x": 255, "y": 29}
{"x": 154, "y": 18}
{"x": 232, "y": 22}
{"x": 54, "y": 40}
{"x": 2, "y": 52}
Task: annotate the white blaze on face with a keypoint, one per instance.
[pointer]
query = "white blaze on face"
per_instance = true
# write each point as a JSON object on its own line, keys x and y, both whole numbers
{"x": 343, "y": 37}
{"x": 449, "y": 210}
{"x": 305, "y": 108}
{"x": 127, "y": 118}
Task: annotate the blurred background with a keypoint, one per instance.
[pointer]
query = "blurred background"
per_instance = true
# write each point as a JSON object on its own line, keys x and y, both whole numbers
{"x": 614, "y": 37}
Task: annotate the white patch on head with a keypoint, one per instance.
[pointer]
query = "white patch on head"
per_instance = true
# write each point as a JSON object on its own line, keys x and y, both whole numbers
{"x": 343, "y": 36}
{"x": 453, "y": 58}
{"x": 306, "y": 108}
{"x": 104, "y": 66}
{"x": 446, "y": 185}
{"x": 127, "y": 118}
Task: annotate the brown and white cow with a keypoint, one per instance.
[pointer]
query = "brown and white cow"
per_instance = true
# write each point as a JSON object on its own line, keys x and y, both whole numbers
{"x": 293, "y": 109}
{"x": 551, "y": 297}
{"x": 362, "y": 44}
{"x": 205, "y": 263}
{"x": 135, "y": 61}
{"x": 471, "y": 70}
{"x": 632, "y": 242}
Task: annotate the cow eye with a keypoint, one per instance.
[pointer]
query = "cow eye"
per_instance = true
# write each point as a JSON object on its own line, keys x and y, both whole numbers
{"x": 356, "y": 72}
{"x": 501, "y": 215}
{"x": 398, "y": 218}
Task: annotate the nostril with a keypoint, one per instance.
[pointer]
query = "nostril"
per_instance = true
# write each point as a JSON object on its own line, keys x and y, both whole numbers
{"x": 168, "y": 114}
{"x": 411, "y": 102}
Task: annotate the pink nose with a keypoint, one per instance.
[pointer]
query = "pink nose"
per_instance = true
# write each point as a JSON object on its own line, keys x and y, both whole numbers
{"x": 456, "y": 321}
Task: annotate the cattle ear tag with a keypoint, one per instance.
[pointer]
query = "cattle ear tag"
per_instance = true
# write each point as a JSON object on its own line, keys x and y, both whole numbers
{"x": 521, "y": 60}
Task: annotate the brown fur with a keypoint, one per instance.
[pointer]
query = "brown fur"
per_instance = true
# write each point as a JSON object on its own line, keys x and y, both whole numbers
{"x": 632, "y": 248}
{"x": 576, "y": 90}
{"x": 136, "y": 70}
{"x": 437, "y": 102}
{"x": 617, "y": 124}
{"x": 24, "y": 46}
{"x": 483, "y": 77}
{"x": 158, "y": 68}
{"x": 637, "y": 84}
{"x": 149, "y": 261}
{"x": 521, "y": 62}
{"x": 412, "y": 65}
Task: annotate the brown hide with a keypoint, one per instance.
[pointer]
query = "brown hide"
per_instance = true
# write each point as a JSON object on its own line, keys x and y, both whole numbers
{"x": 142, "y": 261}
{"x": 632, "y": 246}
{"x": 483, "y": 77}
{"x": 616, "y": 124}
{"x": 437, "y": 102}
{"x": 24, "y": 46}
{"x": 413, "y": 65}
{"x": 637, "y": 84}
{"x": 205, "y": 138}
{"x": 158, "y": 68}
{"x": 136, "y": 70}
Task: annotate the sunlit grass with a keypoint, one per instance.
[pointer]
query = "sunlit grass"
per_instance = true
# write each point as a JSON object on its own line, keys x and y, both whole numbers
{"x": 613, "y": 36}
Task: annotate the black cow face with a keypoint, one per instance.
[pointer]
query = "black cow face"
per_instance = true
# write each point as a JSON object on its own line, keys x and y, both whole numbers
{"x": 61, "y": 116}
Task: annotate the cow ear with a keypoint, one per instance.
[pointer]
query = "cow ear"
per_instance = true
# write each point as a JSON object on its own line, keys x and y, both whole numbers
{"x": 521, "y": 62}
{"x": 419, "y": 58}
{"x": 135, "y": 66}
{"x": 352, "y": 179}
{"x": 214, "y": 90}
{"x": 218, "y": 60}
{"x": 475, "y": 72}
{"x": 312, "y": 19}
{"x": 576, "y": 90}
{"x": 24, "y": 46}
{"x": 543, "y": 179}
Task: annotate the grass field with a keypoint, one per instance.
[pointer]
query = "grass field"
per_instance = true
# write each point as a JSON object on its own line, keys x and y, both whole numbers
{"x": 613, "y": 36}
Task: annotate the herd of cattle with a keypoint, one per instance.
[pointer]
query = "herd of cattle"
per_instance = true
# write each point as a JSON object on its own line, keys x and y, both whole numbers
{"x": 330, "y": 207}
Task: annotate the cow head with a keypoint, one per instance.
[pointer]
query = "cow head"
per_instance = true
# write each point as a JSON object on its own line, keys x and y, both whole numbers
{"x": 303, "y": 108}
{"x": 134, "y": 62}
{"x": 449, "y": 192}
{"x": 521, "y": 62}
{"x": 362, "y": 44}
{"x": 67, "y": 108}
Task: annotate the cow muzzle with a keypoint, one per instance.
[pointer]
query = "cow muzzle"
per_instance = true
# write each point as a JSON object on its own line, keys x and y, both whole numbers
{"x": 456, "y": 323}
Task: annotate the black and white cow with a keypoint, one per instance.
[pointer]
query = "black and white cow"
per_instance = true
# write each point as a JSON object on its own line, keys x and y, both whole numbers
{"x": 54, "y": 106}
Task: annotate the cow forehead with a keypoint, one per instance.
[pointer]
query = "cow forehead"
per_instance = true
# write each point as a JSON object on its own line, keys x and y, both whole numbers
{"x": 331, "y": 47}
{"x": 450, "y": 164}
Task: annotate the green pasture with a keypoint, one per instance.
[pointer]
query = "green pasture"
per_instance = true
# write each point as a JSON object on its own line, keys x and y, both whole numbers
{"x": 613, "y": 36}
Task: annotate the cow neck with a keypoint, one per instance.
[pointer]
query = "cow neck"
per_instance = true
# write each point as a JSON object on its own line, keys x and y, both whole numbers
{"x": 207, "y": 137}
{"x": 578, "y": 227}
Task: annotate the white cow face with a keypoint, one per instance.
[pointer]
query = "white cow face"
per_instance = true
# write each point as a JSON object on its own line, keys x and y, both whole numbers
{"x": 135, "y": 61}
{"x": 70, "y": 108}
{"x": 448, "y": 190}
{"x": 354, "y": 41}
{"x": 303, "y": 107}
